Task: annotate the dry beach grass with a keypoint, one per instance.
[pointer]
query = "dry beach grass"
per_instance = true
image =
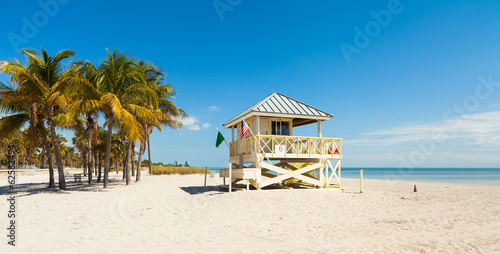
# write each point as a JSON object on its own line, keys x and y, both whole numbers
{"x": 173, "y": 170}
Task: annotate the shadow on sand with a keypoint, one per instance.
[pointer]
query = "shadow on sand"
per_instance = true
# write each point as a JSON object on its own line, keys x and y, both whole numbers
{"x": 27, "y": 189}
{"x": 195, "y": 190}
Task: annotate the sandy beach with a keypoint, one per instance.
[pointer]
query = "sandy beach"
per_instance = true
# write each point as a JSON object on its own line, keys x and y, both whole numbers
{"x": 176, "y": 214}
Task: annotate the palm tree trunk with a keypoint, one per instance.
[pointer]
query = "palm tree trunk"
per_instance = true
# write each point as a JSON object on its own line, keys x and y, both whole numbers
{"x": 90, "y": 123}
{"x": 90, "y": 166}
{"x": 116, "y": 159}
{"x": 29, "y": 156}
{"x": 84, "y": 161}
{"x": 125, "y": 159}
{"x": 33, "y": 121}
{"x": 139, "y": 163}
{"x": 96, "y": 161}
{"x": 129, "y": 156}
{"x": 108, "y": 153}
{"x": 60, "y": 168}
{"x": 42, "y": 158}
{"x": 149, "y": 157}
{"x": 132, "y": 159}
{"x": 100, "y": 168}
{"x": 52, "y": 183}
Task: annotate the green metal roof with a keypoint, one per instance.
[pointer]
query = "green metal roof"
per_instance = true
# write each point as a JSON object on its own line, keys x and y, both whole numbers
{"x": 279, "y": 104}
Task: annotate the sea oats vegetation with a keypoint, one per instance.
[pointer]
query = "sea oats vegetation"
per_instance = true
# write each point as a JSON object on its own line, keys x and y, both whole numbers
{"x": 176, "y": 170}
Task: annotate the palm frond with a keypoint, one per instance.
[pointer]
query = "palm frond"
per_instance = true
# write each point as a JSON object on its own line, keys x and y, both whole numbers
{"x": 145, "y": 114}
{"x": 4, "y": 87}
{"x": 130, "y": 125}
{"x": 63, "y": 54}
{"x": 11, "y": 123}
{"x": 113, "y": 103}
{"x": 82, "y": 106}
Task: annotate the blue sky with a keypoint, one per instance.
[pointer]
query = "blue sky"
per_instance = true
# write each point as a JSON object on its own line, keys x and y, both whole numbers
{"x": 409, "y": 82}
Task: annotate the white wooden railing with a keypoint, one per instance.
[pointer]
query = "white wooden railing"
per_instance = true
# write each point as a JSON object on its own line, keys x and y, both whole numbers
{"x": 286, "y": 147}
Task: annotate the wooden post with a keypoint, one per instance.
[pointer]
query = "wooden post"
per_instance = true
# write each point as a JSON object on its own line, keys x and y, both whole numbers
{"x": 242, "y": 160}
{"x": 230, "y": 177}
{"x": 361, "y": 181}
{"x": 205, "y": 176}
{"x": 339, "y": 174}
{"x": 232, "y": 133}
{"x": 258, "y": 125}
{"x": 259, "y": 171}
{"x": 321, "y": 172}
{"x": 319, "y": 129}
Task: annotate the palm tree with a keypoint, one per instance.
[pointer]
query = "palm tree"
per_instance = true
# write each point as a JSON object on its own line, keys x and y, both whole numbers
{"x": 100, "y": 147}
{"x": 20, "y": 111}
{"x": 39, "y": 83}
{"x": 131, "y": 95}
{"x": 116, "y": 149}
{"x": 82, "y": 86}
{"x": 79, "y": 142}
{"x": 17, "y": 139}
{"x": 16, "y": 108}
{"x": 163, "y": 108}
{"x": 118, "y": 88}
{"x": 117, "y": 76}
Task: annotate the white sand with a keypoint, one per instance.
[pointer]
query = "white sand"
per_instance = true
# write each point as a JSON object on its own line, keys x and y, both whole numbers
{"x": 173, "y": 214}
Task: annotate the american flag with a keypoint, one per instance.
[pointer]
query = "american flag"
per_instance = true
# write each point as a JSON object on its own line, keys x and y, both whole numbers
{"x": 244, "y": 128}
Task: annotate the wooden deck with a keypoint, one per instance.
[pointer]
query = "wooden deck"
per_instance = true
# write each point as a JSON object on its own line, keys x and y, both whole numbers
{"x": 285, "y": 148}
{"x": 240, "y": 173}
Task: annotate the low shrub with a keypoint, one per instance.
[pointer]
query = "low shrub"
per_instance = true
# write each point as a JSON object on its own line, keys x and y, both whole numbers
{"x": 172, "y": 170}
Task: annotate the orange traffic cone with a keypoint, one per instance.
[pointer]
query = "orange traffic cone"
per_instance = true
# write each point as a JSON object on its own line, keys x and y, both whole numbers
{"x": 415, "y": 188}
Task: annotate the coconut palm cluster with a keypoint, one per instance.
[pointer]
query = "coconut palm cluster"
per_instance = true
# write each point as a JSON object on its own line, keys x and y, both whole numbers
{"x": 48, "y": 93}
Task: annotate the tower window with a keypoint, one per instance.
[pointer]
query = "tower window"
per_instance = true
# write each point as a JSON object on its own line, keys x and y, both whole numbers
{"x": 280, "y": 128}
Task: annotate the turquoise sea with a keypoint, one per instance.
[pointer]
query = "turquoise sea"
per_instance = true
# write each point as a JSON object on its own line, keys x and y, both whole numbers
{"x": 453, "y": 175}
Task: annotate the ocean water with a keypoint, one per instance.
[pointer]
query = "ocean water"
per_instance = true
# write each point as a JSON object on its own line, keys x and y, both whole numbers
{"x": 453, "y": 175}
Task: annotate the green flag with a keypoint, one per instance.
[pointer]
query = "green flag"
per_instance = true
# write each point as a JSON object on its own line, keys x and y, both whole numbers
{"x": 220, "y": 138}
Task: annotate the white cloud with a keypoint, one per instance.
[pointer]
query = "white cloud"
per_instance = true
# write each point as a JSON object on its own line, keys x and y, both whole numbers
{"x": 194, "y": 127}
{"x": 213, "y": 109}
{"x": 190, "y": 123}
{"x": 193, "y": 124}
{"x": 481, "y": 129}
{"x": 189, "y": 120}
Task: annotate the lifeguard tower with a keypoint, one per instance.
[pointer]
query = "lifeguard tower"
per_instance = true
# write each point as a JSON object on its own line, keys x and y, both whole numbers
{"x": 270, "y": 155}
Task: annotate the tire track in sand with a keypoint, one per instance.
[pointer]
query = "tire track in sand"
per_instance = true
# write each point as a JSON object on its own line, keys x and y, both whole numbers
{"x": 120, "y": 207}
{"x": 229, "y": 235}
